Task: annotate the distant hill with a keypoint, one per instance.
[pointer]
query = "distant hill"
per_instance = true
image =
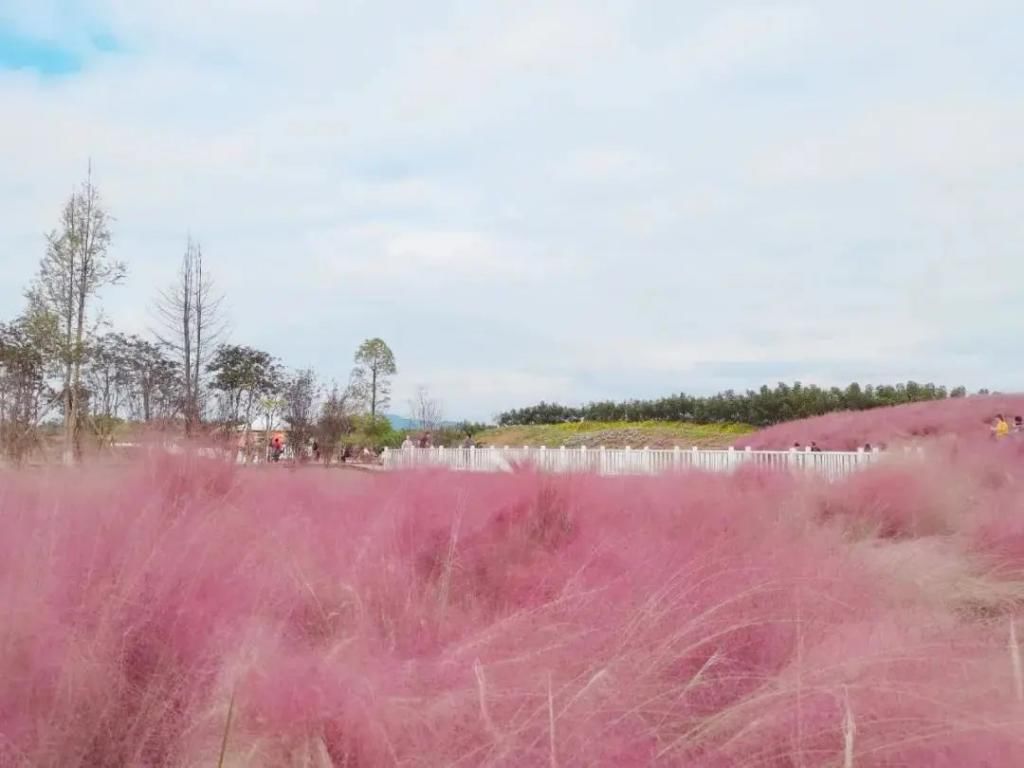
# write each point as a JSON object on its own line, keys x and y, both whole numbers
{"x": 966, "y": 418}
{"x": 401, "y": 422}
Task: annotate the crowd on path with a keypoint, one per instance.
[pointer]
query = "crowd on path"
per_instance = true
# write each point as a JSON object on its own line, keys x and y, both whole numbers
{"x": 1000, "y": 428}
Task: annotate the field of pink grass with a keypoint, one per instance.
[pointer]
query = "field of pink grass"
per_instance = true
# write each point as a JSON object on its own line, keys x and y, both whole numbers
{"x": 967, "y": 419}
{"x": 183, "y": 612}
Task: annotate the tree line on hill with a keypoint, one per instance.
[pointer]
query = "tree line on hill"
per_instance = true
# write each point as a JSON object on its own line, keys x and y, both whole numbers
{"x": 759, "y": 408}
{"x": 64, "y": 371}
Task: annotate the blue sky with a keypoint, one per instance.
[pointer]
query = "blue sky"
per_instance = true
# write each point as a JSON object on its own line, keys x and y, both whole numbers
{"x": 20, "y": 52}
{"x": 556, "y": 200}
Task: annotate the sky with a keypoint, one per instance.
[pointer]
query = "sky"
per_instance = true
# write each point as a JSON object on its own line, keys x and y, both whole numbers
{"x": 559, "y": 200}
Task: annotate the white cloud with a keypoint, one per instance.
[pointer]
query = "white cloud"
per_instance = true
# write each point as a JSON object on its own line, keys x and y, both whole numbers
{"x": 944, "y": 142}
{"x": 743, "y": 35}
{"x": 390, "y": 256}
{"x": 610, "y": 165}
{"x": 532, "y": 198}
{"x": 477, "y": 393}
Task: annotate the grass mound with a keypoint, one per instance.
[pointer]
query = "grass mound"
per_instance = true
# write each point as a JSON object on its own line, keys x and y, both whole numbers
{"x": 961, "y": 418}
{"x": 182, "y": 612}
{"x": 617, "y": 434}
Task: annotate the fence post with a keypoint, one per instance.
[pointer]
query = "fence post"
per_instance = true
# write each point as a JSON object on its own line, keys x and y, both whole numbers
{"x": 584, "y": 464}
{"x": 472, "y": 457}
{"x": 731, "y": 457}
{"x": 677, "y": 456}
{"x": 542, "y": 460}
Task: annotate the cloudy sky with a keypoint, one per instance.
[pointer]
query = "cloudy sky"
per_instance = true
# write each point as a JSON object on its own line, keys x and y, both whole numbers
{"x": 564, "y": 200}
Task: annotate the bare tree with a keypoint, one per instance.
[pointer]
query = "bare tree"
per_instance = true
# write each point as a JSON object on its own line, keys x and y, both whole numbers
{"x": 155, "y": 382}
{"x": 189, "y": 314}
{"x": 426, "y": 411}
{"x": 300, "y": 395}
{"x": 108, "y": 376}
{"x": 76, "y": 266}
{"x": 336, "y": 420}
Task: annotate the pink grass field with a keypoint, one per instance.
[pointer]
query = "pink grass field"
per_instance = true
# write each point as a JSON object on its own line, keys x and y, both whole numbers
{"x": 966, "y": 418}
{"x": 182, "y": 612}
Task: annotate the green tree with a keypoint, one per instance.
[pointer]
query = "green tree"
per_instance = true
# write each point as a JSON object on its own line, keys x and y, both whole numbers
{"x": 375, "y": 365}
{"x": 244, "y": 376}
{"x": 76, "y": 266}
{"x": 25, "y": 394}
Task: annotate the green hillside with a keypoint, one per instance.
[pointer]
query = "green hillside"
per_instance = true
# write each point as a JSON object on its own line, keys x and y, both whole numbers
{"x": 617, "y": 434}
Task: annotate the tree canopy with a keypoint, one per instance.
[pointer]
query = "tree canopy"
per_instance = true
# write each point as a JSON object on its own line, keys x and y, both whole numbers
{"x": 759, "y": 408}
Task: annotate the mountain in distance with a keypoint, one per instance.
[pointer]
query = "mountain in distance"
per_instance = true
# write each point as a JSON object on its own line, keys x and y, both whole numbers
{"x": 402, "y": 422}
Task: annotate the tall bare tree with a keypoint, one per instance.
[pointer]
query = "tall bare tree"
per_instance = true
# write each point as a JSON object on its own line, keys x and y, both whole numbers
{"x": 76, "y": 266}
{"x": 189, "y": 314}
{"x": 426, "y": 411}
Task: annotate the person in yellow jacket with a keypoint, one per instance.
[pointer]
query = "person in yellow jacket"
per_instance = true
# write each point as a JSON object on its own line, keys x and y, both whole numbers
{"x": 1000, "y": 428}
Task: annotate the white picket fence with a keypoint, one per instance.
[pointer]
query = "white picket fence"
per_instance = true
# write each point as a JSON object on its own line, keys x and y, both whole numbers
{"x": 626, "y": 461}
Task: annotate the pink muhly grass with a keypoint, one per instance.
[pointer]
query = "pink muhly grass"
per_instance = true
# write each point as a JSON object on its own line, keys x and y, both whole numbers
{"x": 967, "y": 418}
{"x": 181, "y": 611}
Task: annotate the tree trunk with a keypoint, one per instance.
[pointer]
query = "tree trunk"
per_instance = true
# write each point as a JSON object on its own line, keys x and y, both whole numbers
{"x": 373, "y": 395}
{"x": 197, "y": 363}
{"x": 247, "y": 434}
{"x": 69, "y": 431}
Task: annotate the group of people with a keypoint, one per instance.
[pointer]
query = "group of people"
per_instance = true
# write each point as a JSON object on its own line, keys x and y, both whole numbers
{"x": 426, "y": 440}
{"x": 423, "y": 441}
{"x": 813, "y": 448}
{"x": 1001, "y": 427}
{"x": 276, "y": 451}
